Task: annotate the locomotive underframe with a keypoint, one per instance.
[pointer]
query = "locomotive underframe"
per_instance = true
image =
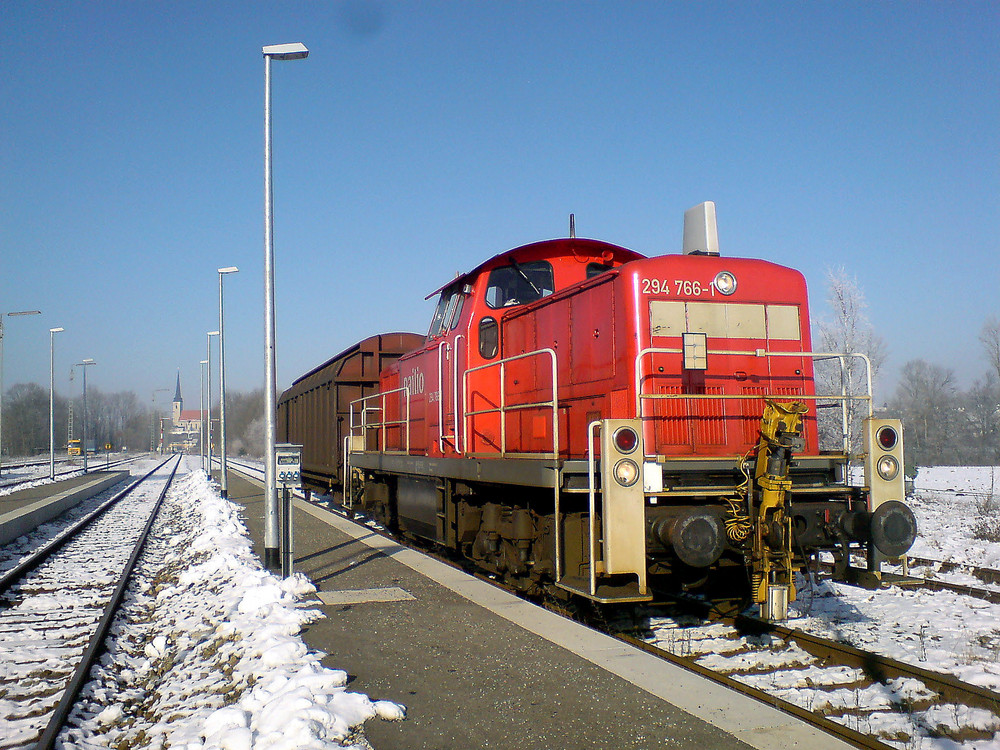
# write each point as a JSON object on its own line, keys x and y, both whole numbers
{"x": 501, "y": 516}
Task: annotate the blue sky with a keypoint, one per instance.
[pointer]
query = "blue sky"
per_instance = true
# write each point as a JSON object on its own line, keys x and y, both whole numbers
{"x": 420, "y": 138}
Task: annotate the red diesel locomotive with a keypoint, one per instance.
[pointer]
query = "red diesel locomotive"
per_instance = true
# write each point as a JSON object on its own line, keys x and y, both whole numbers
{"x": 582, "y": 419}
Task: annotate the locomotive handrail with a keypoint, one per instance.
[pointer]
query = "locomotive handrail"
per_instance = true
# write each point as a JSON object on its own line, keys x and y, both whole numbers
{"x": 844, "y": 397}
{"x": 503, "y": 408}
{"x": 441, "y": 348}
{"x": 592, "y": 428}
{"x": 455, "y": 390}
{"x": 382, "y": 424}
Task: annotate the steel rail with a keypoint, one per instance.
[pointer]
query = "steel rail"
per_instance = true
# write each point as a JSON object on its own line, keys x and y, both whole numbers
{"x": 841, "y": 731}
{"x": 877, "y": 666}
{"x": 986, "y": 575}
{"x": 39, "y": 556}
{"x": 96, "y": 646}
{"x": 73, "y": 470}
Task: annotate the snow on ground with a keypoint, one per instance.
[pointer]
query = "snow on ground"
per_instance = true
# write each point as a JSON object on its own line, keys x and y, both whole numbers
{"x": 948, "y": 501}
{"x": 210, "y": 656}
{"x": 940, "y": 631}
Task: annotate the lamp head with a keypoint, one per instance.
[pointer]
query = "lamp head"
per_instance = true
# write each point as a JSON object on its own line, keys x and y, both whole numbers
{"x": 291, "y": 51}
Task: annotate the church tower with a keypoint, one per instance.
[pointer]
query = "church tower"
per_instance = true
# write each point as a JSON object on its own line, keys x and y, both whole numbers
{"x": 178, "y": 401}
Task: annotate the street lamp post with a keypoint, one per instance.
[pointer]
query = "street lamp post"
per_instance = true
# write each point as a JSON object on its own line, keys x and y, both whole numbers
{"x": 201, "y": 446}
{"x": 19, "y": 312}
{"x": 272, "y": 558}
{"x": 222, "y": 381}
{"x": 85, "y": 364}
{"x": 208, "y": 403}
{"x": 52, "y": 401}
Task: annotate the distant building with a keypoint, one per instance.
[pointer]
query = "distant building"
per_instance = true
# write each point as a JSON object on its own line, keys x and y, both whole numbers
{"x": 186, "y": 430}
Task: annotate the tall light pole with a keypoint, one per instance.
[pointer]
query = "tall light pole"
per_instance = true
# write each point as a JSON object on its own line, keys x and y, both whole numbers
{"x": 201, "y": 446}
{"x": 222, "y": 380}
{"x": 272, "y": 557}
{"x": 208, "y": 402}
{"x": 20, "y": 312}
{"x": 85, "y": 364}
{"x": 52, "y": 401}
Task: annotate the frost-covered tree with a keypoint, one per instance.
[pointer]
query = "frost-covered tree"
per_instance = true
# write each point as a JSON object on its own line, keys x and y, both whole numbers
{"x": 987, "y": 392}
{"x": 925, "y": 399}
{"x": 990, "y": 338}
{"x": 845, "y": 330}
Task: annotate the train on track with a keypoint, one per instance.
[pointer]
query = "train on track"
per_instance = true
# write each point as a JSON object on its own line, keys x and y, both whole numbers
{"x": 583, "y": 420}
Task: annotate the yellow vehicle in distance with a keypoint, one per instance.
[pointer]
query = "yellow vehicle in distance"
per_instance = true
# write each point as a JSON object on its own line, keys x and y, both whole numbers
{"x": 74, "y": 447}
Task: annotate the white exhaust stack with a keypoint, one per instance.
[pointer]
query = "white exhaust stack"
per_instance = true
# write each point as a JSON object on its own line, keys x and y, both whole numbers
{"x": 701, "y": 232}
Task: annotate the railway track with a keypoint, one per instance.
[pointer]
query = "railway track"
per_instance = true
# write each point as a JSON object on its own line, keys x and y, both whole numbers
{"x": 5, "y": 485}
{"x": 57, "y": 607}
{"x": 864, "y": 698}
{"x": 989, "y": 576}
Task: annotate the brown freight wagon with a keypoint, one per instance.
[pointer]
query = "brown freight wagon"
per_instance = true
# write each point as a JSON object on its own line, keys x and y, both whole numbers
{"x": 315, "y": 411}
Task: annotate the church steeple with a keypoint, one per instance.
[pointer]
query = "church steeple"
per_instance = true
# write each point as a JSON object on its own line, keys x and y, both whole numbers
{"x": 178, "y": 401}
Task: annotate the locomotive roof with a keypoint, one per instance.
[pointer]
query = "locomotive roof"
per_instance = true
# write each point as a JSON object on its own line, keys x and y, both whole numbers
{"x": 566, "y": 246}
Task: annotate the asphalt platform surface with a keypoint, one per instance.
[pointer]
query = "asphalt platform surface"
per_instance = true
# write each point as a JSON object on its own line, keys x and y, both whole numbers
{"x": 478, "y": 668}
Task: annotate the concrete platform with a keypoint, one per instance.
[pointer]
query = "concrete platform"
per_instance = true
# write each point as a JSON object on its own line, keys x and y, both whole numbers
{"x": 479, "y": 668}
{"x": 25, "y": 510}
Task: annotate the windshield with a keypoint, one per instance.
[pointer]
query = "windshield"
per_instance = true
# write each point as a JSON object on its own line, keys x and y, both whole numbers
{"x": 519, "y": 283}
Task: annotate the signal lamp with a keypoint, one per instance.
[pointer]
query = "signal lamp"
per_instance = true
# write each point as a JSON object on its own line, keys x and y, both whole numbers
{"x": 887, "y": 467}
{"x": 626, "y": 439}
{"x": 887, "y": 438}
{"x": 725, "y": 282}
{"x": 626, "y": 472}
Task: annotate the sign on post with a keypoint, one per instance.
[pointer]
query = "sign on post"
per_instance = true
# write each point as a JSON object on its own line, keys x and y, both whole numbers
{"x": 288, "y": 466}
{"x": 288, "y": 477}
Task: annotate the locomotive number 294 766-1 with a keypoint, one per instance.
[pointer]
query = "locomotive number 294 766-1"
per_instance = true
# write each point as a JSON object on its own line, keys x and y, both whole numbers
{"x": 679, "y": 287}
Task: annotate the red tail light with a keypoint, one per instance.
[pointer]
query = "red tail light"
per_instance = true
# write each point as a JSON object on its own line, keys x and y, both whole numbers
{"x": 626, "y": 439}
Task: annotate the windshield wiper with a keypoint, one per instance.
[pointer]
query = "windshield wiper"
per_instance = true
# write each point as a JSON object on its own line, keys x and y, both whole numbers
{"x": 520, "y": 272}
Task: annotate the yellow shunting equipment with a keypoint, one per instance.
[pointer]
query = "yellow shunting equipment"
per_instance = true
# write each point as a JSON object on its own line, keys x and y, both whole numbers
{"x": 771, "y": 572}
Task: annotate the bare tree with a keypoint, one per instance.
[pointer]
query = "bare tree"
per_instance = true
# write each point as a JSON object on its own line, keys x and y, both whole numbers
{"x": 990, "y": 338}
{"x": 245, "y": 422}
{"x": 981, "y": 443}
{"x": 847, "y": 331}
{"x": 988, "y": 396}
{"x": 26, "y": 419}
{"x": 926, "y": 400}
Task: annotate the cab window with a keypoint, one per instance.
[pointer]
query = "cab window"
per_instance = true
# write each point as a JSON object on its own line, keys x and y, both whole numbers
{"x": 448, "y": 311}
{"x": 457, "y": 315}
{"x": 596, "y": 269}
{"x": 438, "y": 318}
{"x": 519, "y": 283}
{"x": 489, "y": 338}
